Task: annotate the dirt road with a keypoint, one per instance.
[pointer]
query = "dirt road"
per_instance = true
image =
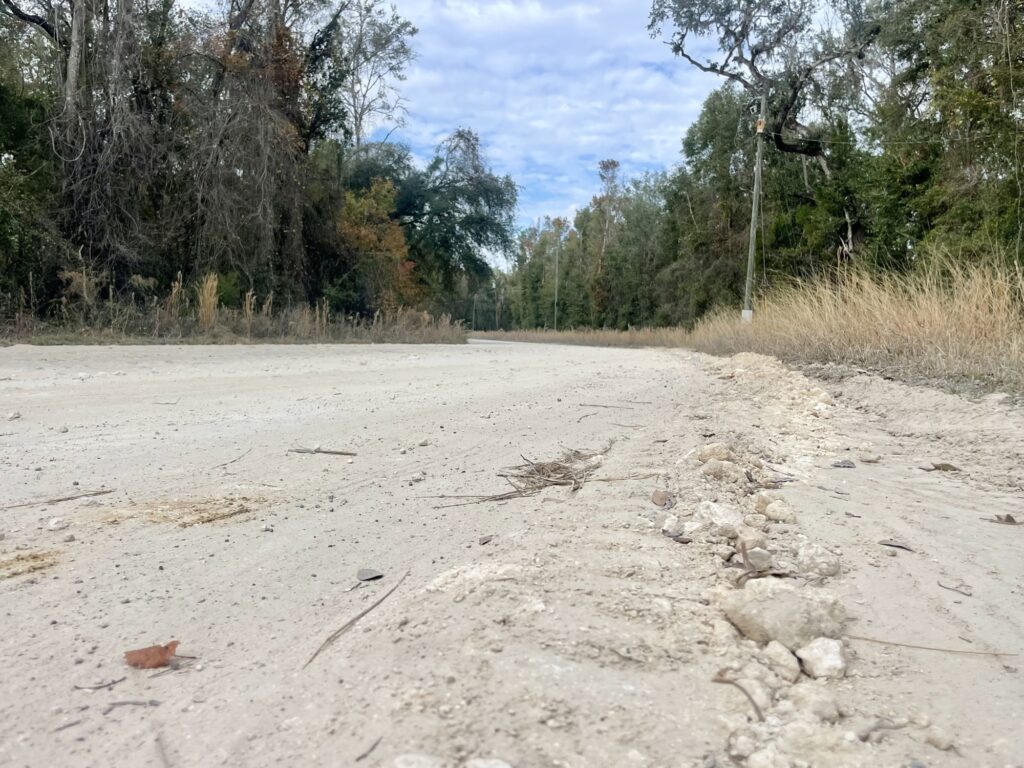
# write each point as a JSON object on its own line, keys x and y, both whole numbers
{"x": 579, "y": 635}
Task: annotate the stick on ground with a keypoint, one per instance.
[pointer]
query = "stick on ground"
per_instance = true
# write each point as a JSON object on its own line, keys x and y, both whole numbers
{"x": 101, "y": 686}
{"x": 929, "y": 648}
{"x": 228, "y": 463}
{"x": 323, "y": 451}
{"x": 369, "y": 751}
{"x": 352, "y": 622}
{"x": 41, "y": 502}
{"x": 719, "y": 678}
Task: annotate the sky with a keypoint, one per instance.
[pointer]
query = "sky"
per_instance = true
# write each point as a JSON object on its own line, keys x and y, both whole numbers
{"x": 552, "y": 87}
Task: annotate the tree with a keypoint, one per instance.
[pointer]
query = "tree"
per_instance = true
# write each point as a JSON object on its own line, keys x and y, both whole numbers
{"x": 773, "y": 47}
{"x": 374, "y": 53}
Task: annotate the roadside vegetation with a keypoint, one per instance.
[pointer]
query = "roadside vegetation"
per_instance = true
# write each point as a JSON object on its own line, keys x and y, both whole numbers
{"x": 946, "y": 322}
{"x": 195, "y": 314}
{"x": 173, "y": 171}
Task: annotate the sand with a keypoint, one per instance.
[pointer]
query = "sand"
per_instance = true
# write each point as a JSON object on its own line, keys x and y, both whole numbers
{"x": 578, "y": 635}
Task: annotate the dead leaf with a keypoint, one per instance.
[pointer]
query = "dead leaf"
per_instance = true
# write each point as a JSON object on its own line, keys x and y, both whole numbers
{"x": 153, "y": 657}
{"x": 369, "y": 574}
{"x": 844, "y": 464}
{"x": 486, "y": 540}
{"x": 941, "y": 467}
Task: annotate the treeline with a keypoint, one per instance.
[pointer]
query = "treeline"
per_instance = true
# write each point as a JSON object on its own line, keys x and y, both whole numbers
{"x": 148, "y": 142}
{"x": 893, "y": 134}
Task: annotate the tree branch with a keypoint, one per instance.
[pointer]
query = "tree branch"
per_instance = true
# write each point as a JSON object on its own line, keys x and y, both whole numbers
{"x": 37, "y": 21}
{"x": 713, "y": 69}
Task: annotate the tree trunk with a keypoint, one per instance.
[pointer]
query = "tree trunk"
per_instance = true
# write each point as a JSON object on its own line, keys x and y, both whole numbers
{"x": 74, "y": 65}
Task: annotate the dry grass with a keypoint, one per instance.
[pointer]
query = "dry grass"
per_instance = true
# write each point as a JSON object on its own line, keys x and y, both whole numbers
{"x": 635, "y": 337}
{"x": 948, "y": 321}
{"x": 178, "y": 318}
{"x": 207, "y": 303}
{"x": 572, "y": 470}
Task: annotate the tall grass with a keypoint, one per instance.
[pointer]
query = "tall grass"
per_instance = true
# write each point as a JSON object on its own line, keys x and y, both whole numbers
{"x": 207, "y": 302}
{"x": 195, "y": 315}
{"x": 947, "y": 320}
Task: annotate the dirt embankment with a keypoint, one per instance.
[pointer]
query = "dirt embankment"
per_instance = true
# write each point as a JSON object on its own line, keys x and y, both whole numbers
{"x": 780, "y": 605}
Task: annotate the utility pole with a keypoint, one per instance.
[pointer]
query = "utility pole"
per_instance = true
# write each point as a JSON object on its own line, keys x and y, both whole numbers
{"x": 558, "y": 247}
{"x": 748, "y": 307}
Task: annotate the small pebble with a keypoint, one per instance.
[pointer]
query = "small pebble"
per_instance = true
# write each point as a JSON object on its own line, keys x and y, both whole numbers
{"x": 70, "y": 537}
{"x": 939, "y": 739}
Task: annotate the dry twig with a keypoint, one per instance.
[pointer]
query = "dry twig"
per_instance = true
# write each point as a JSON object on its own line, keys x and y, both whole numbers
{"x": 369, "y": 751}
{"x": 720, "y": 678}
{"x": 101, "y": 686}
{"x": 352, "y": 622}
{"x": 228, "y": 463}
{"x": 929, "y": 648}
{"x": 323, "y": 451}
{"x": 40, "y": 502}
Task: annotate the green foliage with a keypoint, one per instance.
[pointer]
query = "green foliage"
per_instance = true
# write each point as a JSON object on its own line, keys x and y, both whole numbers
{"x": 233, "y": 145}
{"x": 916, "y": 145}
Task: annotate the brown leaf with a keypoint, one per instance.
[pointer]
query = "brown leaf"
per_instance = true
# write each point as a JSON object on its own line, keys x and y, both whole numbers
{"x": 152, "y": 657}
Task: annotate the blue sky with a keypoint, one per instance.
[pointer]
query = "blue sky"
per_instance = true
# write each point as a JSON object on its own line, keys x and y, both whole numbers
{"x": 552, "y": 88}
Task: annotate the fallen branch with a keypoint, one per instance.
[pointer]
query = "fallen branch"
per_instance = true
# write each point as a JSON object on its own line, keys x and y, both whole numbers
{"x": 586, "y": 416}
{"x": 614, "y": 407}
{"x": 323, "y": 451}
{"x": 929, "y": 648}
{"x": 352, "y": 622}
{"x": 628, "y": 426}
{"x": 65, "y": 726}
{"x": 40, "y": 502}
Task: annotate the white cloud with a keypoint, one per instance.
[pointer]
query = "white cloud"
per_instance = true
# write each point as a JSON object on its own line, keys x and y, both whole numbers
{"x": 552, "y": 88}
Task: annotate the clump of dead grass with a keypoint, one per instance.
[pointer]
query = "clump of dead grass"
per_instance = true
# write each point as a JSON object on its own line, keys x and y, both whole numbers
{"x": 946, "y": 321}
{"x": 572, "y": 470}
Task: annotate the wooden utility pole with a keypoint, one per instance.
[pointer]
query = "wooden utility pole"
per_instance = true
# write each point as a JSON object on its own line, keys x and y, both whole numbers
{"x": 558, "y": 247}
{"x": 748, "y": 307}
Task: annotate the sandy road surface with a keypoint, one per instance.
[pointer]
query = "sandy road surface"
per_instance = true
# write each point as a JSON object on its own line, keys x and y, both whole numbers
{"x": 579, "y": 635}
